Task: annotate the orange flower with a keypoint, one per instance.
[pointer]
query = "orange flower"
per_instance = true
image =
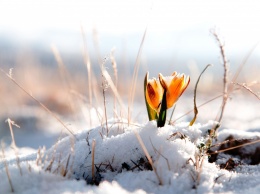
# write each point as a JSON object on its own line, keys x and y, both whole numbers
{"x": 174, "y": 85}
{"x": 154, "y": 93}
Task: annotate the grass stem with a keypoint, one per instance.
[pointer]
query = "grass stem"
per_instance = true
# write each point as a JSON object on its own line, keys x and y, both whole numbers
{"x": 6, "y": 168}
{"x": 148, "y": 156}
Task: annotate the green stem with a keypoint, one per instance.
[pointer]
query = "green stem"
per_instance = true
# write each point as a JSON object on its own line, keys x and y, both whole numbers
{"x": 162, "y": 115}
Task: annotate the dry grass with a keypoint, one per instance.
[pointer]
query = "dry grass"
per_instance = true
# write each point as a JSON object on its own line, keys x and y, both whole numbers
{"x": 41, "y": 104}
{"x": 195, "y": 94}
{"x": 246, "y": 87}
{"x": 148, "y": 157}
{"x": 94, "y": 99}
{"x": 12, "y": 123}
{"x": 6, "y": 168}
{"x": 93, "y": 160}
{"x": 134, "y": 79}
{"x": 225, "y": 80}
{"x": 114, "y": 65}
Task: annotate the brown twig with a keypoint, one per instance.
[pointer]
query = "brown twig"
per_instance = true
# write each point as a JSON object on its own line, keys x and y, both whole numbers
{"x": 66, "y": 167}
{"x": 227, "y": 90}
{"x": 93, "y": 160}
{"x": 227, "y": 141}
{"x": 249, "y": 143}
{"x": 225, "y": 77}
{"x": 245, "y": 86}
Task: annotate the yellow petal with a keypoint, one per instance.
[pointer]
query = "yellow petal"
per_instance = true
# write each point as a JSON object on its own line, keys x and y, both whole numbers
{"x": 154, "y": 93}
{"x": 163, "y": 81}
{"x": 175, "y": 86}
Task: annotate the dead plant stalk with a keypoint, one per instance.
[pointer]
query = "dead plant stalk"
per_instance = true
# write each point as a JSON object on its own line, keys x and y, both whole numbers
{"x": 6, "y": 168}
{"x": 195, "y": 95}
{"x": 88, "y": 65}
{"x": 238, "y": 146}
{"x": 11, "y": 123}
{"x": 104, "y": 87}
{"x": 245, "y": 86}
{"x": 225, "y": 77}
{"x": 148, "y": 156}
{"x": 114, "y": 65}
{"x": 134, "y": 79}
{"x": 37, "y": 101}
{"x": 93, "y": 160}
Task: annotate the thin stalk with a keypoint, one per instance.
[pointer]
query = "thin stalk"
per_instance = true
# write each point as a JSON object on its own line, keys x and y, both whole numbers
{"x": 134, "y": 78}
{"x": 6, "y": 168}
{"x": 172, "y": 114}
{"x": 216, "y": 97}
{"x": 42, "y": 105}
{"x": 114, "y": 65}
{"x": 238, "y": 146}
{"x": 88, "y": 64}
{"x": 93, "y": 160}
{"x": 225, "y": 76}
{"x": 245, "y": 86}
{"x": 242, "y": 65}
{"x": 195, "y": 95}
{"x": 104, "y": 87}
{"x": 148, "y": 156}
{"x": 11, "y": 123}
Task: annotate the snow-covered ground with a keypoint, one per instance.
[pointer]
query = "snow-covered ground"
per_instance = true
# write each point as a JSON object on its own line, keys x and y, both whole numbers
{"x": 121, "y": 166}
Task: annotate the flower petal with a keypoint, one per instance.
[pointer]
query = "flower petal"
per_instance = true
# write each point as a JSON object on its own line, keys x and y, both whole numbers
{"x": 154, "y": 93}
{"x": 174, "y": 90}
{"x": 174, "y": 86}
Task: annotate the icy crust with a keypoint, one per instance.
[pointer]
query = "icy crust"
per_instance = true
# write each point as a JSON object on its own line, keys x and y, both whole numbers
{"x": 172, "y": 156}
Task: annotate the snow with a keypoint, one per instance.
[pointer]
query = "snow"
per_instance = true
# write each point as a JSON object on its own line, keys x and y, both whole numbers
{"x": 172, "y": 158}
{"x": 121, "y": 165}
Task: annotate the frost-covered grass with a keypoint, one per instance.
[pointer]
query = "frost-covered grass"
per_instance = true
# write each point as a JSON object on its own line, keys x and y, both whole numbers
{"x": 121, "y": 165}
{"x": 106, "y": 156}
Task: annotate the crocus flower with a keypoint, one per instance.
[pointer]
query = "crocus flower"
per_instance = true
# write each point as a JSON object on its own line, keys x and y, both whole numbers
{"x": 174, "y": 85}
{"x": 154, "y": 93}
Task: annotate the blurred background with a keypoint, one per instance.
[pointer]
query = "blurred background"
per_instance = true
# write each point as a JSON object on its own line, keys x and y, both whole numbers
{"x": 47, "y": 44}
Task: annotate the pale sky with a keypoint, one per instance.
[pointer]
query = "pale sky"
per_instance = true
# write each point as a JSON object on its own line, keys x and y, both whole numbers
{"x": 116, "y": 16}
{"x": 238, "y": 20}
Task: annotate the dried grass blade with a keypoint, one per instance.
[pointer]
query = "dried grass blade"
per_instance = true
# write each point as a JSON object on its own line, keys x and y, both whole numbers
{"x": 42, "y": 105}
{"x": 148, "y": 156}
{"x": 195, "y": 94}
{"x": 93, "y": 160}
{"x": 6, "y": 169}
{"x": 113, "y": 87}
{"x": 135, "y": 75}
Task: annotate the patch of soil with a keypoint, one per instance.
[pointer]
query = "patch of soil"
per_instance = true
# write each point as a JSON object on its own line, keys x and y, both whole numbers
{"x": 249, "y": 154}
